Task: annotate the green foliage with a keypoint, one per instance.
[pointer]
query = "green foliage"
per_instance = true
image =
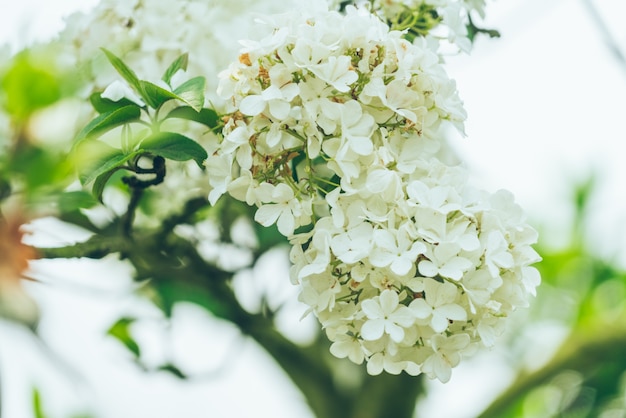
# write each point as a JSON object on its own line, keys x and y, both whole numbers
{"x": 179, "y": 63}
{"x": 102, "y": 105}
{"x": 30, "y": 83}
{"x": 586, "y": 294}
{"x": 72, "y": 201}
{"x": 173, "y": 370}
{"x": 97, "y": 162}
{"x": 416, "y": 21}
{"x": 120, "y": 330}
{"x": 473, "y": 31}
{"x": 175, "y": 147}
{"x": 123, "y": 70}
{"x": 108, "y": 121}
{"x": 37, "y": 408}
{"x": 190, "y": 92}
{"x": 207, "y": 117}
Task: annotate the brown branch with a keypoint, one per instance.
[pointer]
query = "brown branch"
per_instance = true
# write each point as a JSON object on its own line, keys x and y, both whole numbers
{"x": 96, "y": 247}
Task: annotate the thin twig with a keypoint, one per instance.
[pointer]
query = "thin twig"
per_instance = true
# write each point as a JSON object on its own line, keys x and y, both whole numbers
{"x": 606, "y": 34}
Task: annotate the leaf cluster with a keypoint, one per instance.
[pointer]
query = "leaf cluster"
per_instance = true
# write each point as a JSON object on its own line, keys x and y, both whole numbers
{"x": 98, "y": 161}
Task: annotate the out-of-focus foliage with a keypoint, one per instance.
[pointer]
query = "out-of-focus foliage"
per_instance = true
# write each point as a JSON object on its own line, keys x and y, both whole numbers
{"x": 585, "y": 295}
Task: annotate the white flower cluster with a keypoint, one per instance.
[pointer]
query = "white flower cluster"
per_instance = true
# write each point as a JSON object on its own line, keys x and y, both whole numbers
{"x": 440, "y": 19}
{"x": 149, "y": 34}
{"x": 410, "y": 276}
{"x": 320, "y": 104}
{"x": 333, "y": 129}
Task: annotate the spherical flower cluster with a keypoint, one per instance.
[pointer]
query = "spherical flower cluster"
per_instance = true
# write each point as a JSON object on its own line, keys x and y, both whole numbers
{"x": 410, "y": 276}
{"x": 333, "y": 134}
{"x": 441, "y": 19}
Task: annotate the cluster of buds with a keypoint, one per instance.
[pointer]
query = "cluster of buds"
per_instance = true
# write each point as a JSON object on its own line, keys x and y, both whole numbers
{"x": 440, "y": 20}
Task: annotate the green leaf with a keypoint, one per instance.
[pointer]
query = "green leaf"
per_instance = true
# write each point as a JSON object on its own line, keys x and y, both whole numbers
{"x": 40, "y": 168}
{"x": 268, "y": 237}
{"x": 170, "y": 368}
{"x": 111, "y": 163}
{"x": 102, "y": 105}
{"x": 72, "y": 201}
{"x": 37, "y": 408}
{"x": 5, "y": 189}
{"x": 30, "y": 83}
{"x": 109, "y": 120}
{"x": 175, "y": 147}
{"x": 171, "y": 291}
{"x": 207, "y": 117}
{"x": 101, "y": 181}
{"x": 179, "y": 64}
{"x": 192, "y": 92}
{"x": 128, "y": 74}
{"x": 98, "y": 158}
{"x": 155, "y": 95}
{"x": 121, "y": 331}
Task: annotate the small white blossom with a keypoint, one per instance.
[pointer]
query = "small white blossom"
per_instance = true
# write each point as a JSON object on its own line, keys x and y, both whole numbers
{"x": 446, "y": 355}
{"x": 438, "y": 306}
{"x": 385, "y": 315}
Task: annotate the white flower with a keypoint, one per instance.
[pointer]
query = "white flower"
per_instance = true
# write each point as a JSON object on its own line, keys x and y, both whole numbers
{"x": 277, "y": 98}
{"x": 336, "y": 71}
{"x": 385, "y": 315}
{"x": 357, "y": 128}
{"x": 438, "y": 305}
{"x": 384, "y": 361}
{"x": 395, "y": 249}
{"x": 497, "y": 253}
{"x": 446, "y": 355}
{"x": 354, "y": 244}
{"x": 347, "y": 345}
{"x": 283, "y": 210}
{"x": 220, "y": 170}
{"x": 443, "y": 260}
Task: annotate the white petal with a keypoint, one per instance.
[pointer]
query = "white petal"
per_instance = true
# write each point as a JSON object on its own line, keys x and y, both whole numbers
{"x": 421, "y": 309}
{"x": 427, "y": 268}
{"x": 380, "y": 257}
{"x": 442, "y": 369}
{"x": 438, "y": 322}
{"x": 252, "y": 105}
{"x": 403, "y": 316}
{"x": 286, "y": 223}
{"x": 279, "y": 109}
{"x": 395, "y": 332}
{"x": 401, "y": 266}
{"x": 375, "y": 364}
{"x": 373, "y": 329}
{"x": 266, "y": 215}
{"x": 372, "y": 309}
{"x": 453, "y": 311}
{"x": 388, "y": 301}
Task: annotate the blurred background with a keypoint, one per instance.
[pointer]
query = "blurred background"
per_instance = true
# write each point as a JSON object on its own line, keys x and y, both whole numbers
{"x": 546, "y": 105}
